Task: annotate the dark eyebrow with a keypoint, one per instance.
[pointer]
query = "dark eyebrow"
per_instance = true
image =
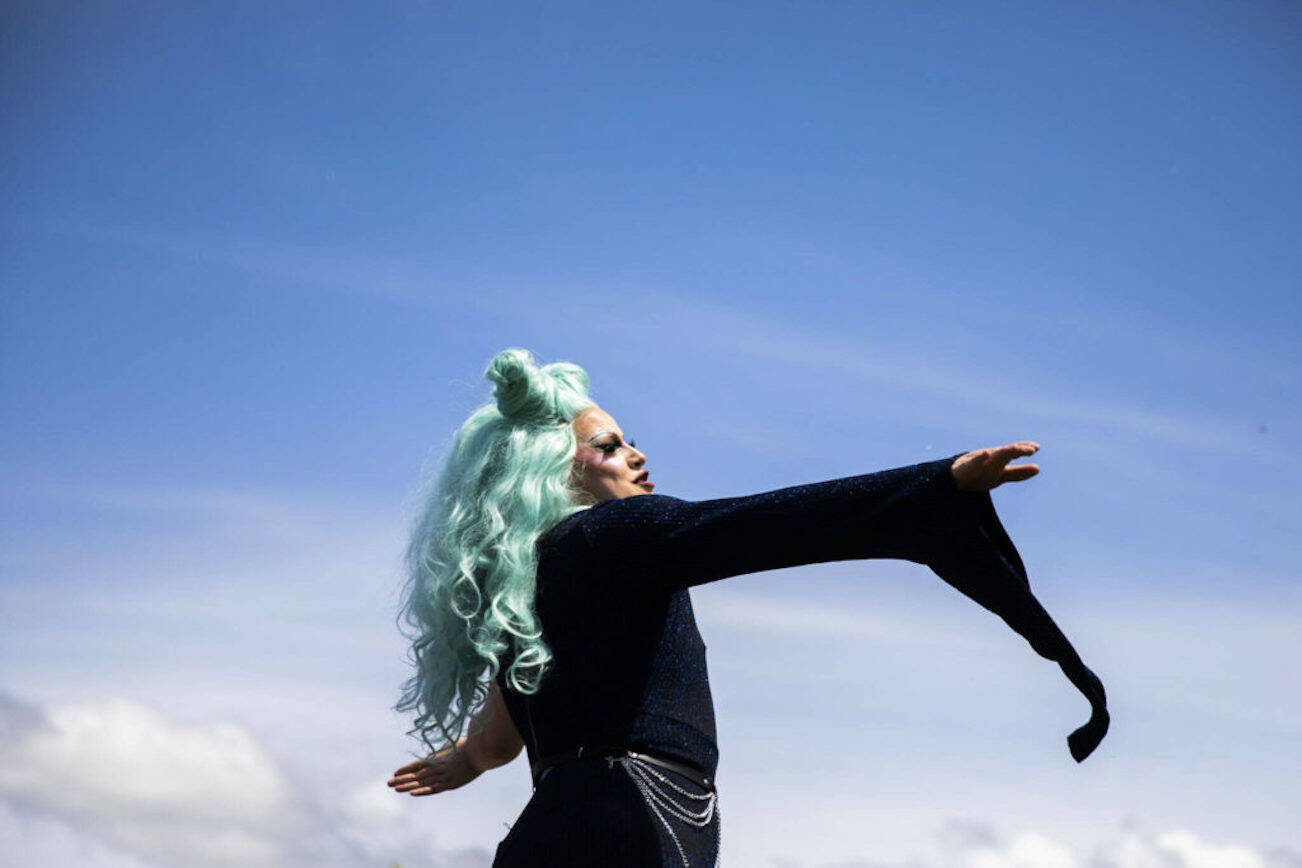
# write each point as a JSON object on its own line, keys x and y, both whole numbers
{"x": 602, "y": 434}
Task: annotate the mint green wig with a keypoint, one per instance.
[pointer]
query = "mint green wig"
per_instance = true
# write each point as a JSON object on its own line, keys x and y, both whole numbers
{"x": 470, "y": 563}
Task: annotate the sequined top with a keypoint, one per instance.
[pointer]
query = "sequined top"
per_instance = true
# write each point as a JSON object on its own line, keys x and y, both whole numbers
{"x": 613, "y": 601}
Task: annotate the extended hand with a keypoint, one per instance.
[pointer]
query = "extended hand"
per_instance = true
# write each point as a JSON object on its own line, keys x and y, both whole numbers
{"x": 444, "y": 770}
{"x": 985, "y": 469}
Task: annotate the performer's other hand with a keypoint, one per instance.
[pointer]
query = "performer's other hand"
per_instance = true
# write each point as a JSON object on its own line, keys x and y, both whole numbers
{"x": 984, "y": 469}
{"x": 444, "y": 770}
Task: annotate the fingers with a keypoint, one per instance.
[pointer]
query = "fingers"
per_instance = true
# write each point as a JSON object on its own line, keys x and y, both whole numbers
{"x": 411, "y": 767}
{"x": 1018, "y": 472}
{"x": 1014, "y": 450}
{"x": 426, "y": 777}
{"x": 989, "y": 468}
{"x": 419, "y": 784}
{"x": 410, "y": 774}
{"x": 420, "y": 788}
{"x": 999, "y": 456}
{"x": 403, "y": 783}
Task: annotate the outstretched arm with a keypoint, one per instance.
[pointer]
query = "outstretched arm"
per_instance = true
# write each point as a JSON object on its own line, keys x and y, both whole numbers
{"x": 662, "y": 543}
{"x": 494, "y": 742}
{"x": 936, "y": 513}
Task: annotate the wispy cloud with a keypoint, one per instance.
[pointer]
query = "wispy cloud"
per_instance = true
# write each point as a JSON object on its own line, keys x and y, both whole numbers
{"x": 733, "y": 331}
{"x": 753, "y": 335}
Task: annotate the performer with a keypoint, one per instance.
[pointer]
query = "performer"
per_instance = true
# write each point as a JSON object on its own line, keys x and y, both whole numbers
{"x": 548, "y": 596}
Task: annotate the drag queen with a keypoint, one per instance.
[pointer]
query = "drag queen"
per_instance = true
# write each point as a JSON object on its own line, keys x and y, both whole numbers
{"x": 549, "y": 609}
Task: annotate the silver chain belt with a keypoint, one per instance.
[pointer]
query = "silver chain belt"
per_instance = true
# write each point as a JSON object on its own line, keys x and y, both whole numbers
{"x": 657, "y": 790}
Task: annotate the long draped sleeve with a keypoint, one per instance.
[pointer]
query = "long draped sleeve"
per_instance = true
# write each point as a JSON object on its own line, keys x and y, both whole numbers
{"x": 662, "y": 544}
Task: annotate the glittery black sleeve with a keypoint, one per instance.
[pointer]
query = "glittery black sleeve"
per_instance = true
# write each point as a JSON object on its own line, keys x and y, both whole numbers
{"x": 668, "y": 543}
{"x": 916, "y": 513}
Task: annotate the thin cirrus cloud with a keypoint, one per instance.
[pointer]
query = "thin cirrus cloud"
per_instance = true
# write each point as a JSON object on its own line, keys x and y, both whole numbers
{"x": 729, "y": 329}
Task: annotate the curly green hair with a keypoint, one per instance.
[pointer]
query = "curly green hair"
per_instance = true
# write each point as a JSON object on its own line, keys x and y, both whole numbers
{"x": 470, "y": 563}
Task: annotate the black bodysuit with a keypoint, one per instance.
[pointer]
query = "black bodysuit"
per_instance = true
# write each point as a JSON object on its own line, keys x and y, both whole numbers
{"x": 629, "y": 665}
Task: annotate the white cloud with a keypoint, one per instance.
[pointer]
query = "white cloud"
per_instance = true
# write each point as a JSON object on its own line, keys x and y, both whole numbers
{"x": 141, "y": 790}
{"x": 1131, "y": 846}
{"x": 974, "y": 844}
{"x": 116, "y": 784}
{"x": 32, "y": 838}
{"x": 207, "y": 794}
{"x": 1181, "y": 848}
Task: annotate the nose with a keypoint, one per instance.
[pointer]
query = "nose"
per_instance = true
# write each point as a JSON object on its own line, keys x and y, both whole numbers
{"x": 638, "y": 458}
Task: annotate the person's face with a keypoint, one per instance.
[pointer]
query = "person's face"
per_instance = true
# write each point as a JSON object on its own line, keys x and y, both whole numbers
{"x": 605, "y": 466}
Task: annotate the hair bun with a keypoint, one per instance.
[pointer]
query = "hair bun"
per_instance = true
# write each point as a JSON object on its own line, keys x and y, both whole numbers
{"x": 524, "y": 392}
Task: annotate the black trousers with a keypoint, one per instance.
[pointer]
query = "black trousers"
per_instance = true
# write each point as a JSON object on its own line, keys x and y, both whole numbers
{"x": 590, "y": 812}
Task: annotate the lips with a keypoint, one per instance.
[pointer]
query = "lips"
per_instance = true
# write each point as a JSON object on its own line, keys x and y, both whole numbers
{"x": 644, "y": 480}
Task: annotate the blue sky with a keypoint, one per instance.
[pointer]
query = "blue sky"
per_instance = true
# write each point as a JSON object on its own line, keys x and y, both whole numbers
{"x": 256, "y": 259}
